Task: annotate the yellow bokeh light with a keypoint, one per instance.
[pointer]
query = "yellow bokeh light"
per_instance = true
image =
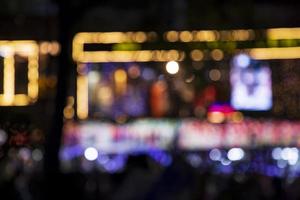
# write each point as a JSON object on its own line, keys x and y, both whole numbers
{"x": 214, "y": 74}
{"x": 216, "y": 117}
{"x": 9, "y": 81}
{"x": 120, "y": 78}
{"x": 274, "y": 53}
{"x": 196, "y": 55}
{"x": 172, "y": 36}
{"x": 44, "y": 48}
{"x": 206, "y": 36}
{"x": 237, "y": 117}
{"x": 172, "y": 55}
{"x": 105, "y": 96}
{"x": 82, "y": 97}
{"x": 217, "y": 54}
{"x": 55, "y": 48}
{"x": 140, "y": 37}
{"x": 283, "y": 33}
{"x": 21, "y": 100}
{"x": 241, "y": 35}
{"x": 23, "y": 48}
{"x": 69, "y": 112}
{"x": 186, "y": 36}
{"x": 69, "y": 109}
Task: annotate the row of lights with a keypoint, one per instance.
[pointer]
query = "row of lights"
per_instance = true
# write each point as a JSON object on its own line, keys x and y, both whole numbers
{"x": 80, "y": 39}
{"x": 115, "y": 37}
{"x": 145, "y": 56}
{"x": 291, "y": 155}
{"x": 234, "y": 154}
{"x": 254, "y": 53}
{"x": 209, "y": 35}
{"x": 288, "y": 156}
{"x": 230, "y": 35}
{"x": 168, "y": 55}
{"x": 231, "y": 156}
{"x": 128, "y": 56}
{"x": 28, "y": 49}
{"x": 185, "y": 36}
{"x": 217, "y": 117}
{"x": 198, "y": 55}
{"x": 283, "y": 156}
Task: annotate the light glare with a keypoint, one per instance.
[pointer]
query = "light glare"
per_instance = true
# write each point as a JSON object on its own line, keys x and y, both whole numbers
{"x": 235, "y": 154}
{"x": 91, "y": 154}
{"x": 242, "y": 60}
{"x": 172, "y": 67}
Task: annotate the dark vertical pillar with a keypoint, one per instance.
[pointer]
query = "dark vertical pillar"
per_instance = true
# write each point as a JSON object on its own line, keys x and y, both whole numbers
{"x": 53, "y": 180}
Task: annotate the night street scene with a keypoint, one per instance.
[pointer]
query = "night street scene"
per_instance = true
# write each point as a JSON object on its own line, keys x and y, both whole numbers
{"x": 149, "y": 100}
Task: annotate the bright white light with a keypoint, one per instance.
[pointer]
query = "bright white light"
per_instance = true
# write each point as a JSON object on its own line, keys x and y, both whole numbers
{"x": 260, "y": 97}
{"x": 242, "y": 60}
{"x": 290, "y": 154}
{"x": 235, "y": 154}
{"x": 294, "y": 154}
{"x": 91, "y": 154}
{"x": 172, "y": 67}
{"x": 285, "y": 153}
{"x": 215, "y": 154}
{"x": 276, "y": 153}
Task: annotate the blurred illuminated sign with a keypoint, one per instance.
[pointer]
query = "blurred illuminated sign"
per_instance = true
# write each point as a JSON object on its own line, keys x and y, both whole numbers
{"x": 81, "y": 57}
{"x": 120, "y": 55}
{"x": 30, "y": 50}
{"x": 277, "y": 43}
{"x": 251, "y": 85}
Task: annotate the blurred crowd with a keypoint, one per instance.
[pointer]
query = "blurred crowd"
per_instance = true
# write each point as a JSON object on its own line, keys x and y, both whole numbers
{"x": 143, "y": 177}
{"x": 255, "y": 172}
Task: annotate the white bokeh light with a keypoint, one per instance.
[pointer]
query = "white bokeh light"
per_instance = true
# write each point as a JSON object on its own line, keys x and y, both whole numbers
{"x": 215, "y": 154}
{"x": 91, "y": 153}
{"x": 172, "y": 67}
{"x": 276, "y": 153}
{"x": 290, "y": 154}
{"x": 235, "y": 154}
{"x": 242, "y": 60}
